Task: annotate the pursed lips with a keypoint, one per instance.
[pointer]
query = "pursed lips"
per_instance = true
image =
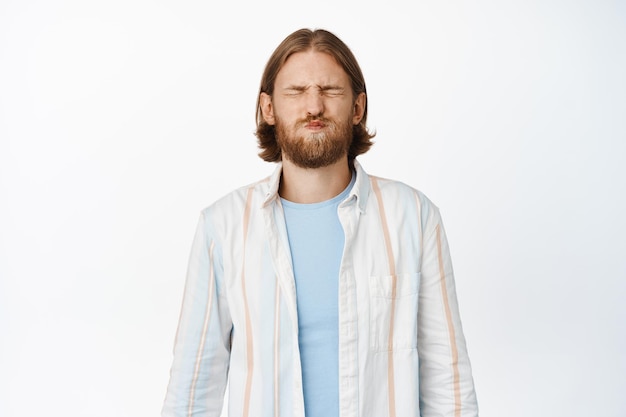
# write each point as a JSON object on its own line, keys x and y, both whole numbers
{"x": 315, "y": 125}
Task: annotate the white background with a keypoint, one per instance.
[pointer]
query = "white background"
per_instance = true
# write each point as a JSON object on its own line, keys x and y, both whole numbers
{"x": 121, "y": 120}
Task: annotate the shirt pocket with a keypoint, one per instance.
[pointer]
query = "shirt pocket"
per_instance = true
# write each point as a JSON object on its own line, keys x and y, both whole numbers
{"x": 399, "y": 309}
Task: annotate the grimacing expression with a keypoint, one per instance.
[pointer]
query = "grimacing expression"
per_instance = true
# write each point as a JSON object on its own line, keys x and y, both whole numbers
{"x": 312, "y": 109}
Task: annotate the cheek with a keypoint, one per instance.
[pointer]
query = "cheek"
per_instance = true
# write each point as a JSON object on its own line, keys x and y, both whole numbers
{"x": 342, "y": 112}
{"x": 284, "y": 111}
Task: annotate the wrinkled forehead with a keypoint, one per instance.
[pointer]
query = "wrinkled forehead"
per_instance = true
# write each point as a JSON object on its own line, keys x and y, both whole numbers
{"x": 311, "y": 67}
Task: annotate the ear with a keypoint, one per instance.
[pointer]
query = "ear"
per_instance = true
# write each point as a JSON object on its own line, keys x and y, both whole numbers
{"x": 359, "y": 108}
{"x": 267, "y": 109}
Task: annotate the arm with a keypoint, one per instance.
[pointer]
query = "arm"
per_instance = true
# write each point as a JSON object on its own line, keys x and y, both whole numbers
{"x": 446, "y": 385}
{"x": 202, "y": 346}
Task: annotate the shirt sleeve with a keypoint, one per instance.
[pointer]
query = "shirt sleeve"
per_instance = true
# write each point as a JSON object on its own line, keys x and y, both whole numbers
{"x": 202, "y": 345}
{"x": 446, "y": 384}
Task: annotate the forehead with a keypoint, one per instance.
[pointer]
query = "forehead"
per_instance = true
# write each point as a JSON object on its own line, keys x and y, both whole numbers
{"x": 311, "y": 67}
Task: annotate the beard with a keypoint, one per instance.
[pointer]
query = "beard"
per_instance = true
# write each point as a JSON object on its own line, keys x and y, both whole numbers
{"x": 315, "y": 149}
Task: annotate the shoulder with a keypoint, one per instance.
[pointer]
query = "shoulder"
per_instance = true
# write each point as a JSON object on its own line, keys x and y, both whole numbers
{"x": 236, "y": 200}
{"x": 400, "y": 193}
{"x": 228, "y": 210}
{"x": 389, "y": 190}
{"x": 401, "y": 200}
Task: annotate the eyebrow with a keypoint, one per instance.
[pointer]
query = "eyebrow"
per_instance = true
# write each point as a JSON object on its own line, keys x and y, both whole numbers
{"x": 331, "y": 87}
{"x": 296, "y": 87}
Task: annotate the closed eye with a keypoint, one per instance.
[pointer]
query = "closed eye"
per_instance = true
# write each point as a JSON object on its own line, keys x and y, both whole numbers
{"x": 332, "y": 91}
{"x": 294, "y": 91}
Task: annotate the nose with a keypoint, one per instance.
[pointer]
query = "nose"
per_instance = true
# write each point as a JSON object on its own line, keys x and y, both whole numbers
{"x": 314, "y": 103}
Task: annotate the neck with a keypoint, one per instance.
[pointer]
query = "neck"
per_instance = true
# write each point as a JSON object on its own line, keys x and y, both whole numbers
{"x": 313, "y": 185}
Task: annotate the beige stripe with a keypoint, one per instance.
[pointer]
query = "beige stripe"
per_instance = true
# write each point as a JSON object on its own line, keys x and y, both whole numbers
{"x": 276, "y": 351}
{"x": 249, "y": 351}
{"x": 205, "y": 326}
{"x": 455, "y": 353}
{"x": 392, "y": 272}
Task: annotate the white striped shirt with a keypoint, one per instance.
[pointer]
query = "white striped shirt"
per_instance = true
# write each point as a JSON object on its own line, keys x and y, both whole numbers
{"x": 402, "y": 351}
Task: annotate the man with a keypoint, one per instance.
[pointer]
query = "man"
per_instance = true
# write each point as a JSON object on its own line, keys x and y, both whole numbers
{"x": 319, "y": 291}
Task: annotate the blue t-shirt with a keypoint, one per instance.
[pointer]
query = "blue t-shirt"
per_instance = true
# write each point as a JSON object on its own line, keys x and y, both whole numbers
{"x": 316, "y": 240}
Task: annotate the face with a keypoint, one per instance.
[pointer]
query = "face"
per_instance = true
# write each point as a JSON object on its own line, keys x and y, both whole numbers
{"x": 313, "y": 110}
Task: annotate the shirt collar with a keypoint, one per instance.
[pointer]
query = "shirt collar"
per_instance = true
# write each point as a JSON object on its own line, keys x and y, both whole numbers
{"x": 360, "y": 191}
{"x": 362, "y": 186}
{"x": 274, "y": 182}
